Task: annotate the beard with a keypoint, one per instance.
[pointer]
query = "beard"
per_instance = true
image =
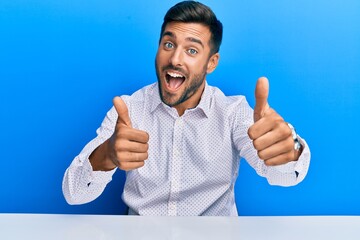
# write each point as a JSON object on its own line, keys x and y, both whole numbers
{"x": 196, "y": 80}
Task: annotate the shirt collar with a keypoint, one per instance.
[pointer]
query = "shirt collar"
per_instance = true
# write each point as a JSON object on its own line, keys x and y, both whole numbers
{"x": 155, "y": 97}
{"x": 204, "y": 103}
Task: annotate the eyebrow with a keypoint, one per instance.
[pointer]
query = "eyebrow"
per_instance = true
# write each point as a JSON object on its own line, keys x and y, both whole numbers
{"x": 191, "y": 39}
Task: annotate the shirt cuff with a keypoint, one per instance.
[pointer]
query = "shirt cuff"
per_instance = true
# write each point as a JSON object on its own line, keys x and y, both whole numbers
{"x": 300, "y": 166}
{"x": 97, "y": 176}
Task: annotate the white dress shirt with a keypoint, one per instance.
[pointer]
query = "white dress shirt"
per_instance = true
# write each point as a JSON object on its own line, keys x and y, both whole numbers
{"x": 193, "y": 159}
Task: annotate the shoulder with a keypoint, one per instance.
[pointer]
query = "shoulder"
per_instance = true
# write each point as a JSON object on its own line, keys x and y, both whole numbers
{"x": 228, "y": 103}
{"x": 232, "y": 109}
{"x": 140, "y": 95}
{"x": 141, "y": 102}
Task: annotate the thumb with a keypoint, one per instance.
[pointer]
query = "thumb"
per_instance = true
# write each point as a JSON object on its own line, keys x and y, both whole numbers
{"x": 261, "y": 98}
{"x": 122, "y": 111}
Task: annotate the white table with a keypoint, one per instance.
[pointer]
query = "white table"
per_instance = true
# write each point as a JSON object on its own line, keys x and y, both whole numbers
{"x": 78, "y": 227}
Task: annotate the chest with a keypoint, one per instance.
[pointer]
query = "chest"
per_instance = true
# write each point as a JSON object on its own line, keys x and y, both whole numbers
{"x": 188, "y": 146}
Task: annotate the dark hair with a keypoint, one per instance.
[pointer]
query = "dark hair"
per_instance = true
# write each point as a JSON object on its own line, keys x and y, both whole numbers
{"x": 195, "y": 12}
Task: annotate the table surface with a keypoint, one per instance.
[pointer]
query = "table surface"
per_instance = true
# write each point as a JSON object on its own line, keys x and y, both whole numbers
{"x": 78, "y": 227}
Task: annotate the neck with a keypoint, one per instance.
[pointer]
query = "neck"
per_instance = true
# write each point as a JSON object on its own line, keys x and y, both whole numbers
{"x": 192, "y": 102}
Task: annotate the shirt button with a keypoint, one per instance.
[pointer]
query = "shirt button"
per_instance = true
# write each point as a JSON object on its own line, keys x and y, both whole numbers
{"x": 179, "y": 122}
{"x": 175, "y": 186}
{"x": 172, "y": 206}
{"x": 176, "y": 153}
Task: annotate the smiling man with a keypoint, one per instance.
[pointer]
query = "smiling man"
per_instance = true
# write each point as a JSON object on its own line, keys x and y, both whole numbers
{"x": 180, "y": 140}
{"x": 183, "y": 59}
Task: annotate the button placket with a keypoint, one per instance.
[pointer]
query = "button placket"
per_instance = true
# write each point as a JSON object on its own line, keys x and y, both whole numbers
{"x": 176, "y": 167}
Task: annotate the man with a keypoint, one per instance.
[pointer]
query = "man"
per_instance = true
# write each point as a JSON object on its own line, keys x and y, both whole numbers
{"x": 181, "y": 140}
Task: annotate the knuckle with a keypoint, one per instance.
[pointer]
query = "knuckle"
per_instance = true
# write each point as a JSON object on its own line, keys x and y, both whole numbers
{"x": 290, "y": 143}
{"x": 284, "y": 130}
{"x": 142, "y": 148}
{"x": 277, "y": 116}
{"x": 123, "y": 166}
{"x": 262, "y": 155}
{"x": 256, "y": 144}
{"x": 287, "y": 129}
{"x": 146, "y": 147}
{"x": 278, "y": 123}
{"x": 251, "y": 133}
{"x": 269, "y": 163}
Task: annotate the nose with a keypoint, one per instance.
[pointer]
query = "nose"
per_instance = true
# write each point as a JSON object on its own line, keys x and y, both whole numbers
{"x": 176, "y": 58}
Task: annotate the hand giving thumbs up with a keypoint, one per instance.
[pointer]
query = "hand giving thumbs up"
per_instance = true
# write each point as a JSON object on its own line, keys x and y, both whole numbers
{"x": 126, "y": 149}
{"x": 271, "y": 135}
{"x": 128, "y": 146}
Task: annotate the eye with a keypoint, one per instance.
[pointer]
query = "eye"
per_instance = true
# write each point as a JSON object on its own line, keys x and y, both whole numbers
{"x": 168, "y": 45}
{"x": 192, "y": 51}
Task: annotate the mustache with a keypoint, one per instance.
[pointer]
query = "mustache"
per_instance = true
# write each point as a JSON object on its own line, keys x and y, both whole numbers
{"x": 171, "y": 67}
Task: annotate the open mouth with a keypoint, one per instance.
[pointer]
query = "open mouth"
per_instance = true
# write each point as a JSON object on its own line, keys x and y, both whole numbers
{"x": 174, "y": 80}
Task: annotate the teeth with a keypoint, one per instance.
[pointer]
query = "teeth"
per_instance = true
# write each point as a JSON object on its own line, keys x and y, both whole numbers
{"x": 174, "y": 74}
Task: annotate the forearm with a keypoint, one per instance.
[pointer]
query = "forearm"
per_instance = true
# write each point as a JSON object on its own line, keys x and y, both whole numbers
{"x": 293, "y": 172}
{"x": 84, "y": 181}
{"x": 82, "y": 185}
{"x": 288, "y": 174}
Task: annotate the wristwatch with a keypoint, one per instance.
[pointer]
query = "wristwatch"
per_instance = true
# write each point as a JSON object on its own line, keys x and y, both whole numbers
{"x": 297, "y": 144}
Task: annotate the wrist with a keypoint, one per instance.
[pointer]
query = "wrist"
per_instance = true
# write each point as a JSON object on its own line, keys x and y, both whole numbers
{"x": 297, "y": 145}
{"x": 100, "y": 158}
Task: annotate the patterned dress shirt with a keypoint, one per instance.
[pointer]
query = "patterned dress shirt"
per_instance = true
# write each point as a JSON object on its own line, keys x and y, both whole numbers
{"x": 193, "y": 159}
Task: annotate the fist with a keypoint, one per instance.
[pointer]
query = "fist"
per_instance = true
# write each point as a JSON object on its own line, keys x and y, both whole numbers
{"x": 271, "y": 135}
{"x": 128, "y": 147}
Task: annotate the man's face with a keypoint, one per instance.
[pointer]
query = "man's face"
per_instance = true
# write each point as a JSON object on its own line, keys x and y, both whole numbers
{"x": 182, "y": 62}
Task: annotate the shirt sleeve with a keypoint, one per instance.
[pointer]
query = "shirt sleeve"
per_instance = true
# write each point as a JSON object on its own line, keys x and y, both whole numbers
{"x": 288, "y": 174}
{"x": 80, "y": 183}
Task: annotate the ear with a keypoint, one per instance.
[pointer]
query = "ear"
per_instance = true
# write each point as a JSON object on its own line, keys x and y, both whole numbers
{"x": 213, "y": 62}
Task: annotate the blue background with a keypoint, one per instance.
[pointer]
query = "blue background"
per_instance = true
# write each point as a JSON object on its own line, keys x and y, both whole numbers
{"x": 62, "y": 62}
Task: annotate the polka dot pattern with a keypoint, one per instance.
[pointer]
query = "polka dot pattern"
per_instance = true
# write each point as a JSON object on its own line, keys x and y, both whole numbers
{"x": 193, "y": 159}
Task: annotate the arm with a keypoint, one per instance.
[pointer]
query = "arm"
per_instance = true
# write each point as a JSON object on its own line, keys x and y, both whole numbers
{"x": 288, "y": 174}
{"x": 81, "y": 184}
{"x": 117, "y": 145}
{"x": 272, "y": 136}
{"x": 268, "y": 145}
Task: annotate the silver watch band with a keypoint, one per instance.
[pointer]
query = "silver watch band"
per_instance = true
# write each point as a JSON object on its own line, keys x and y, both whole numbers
{"x": 297, "y": 144}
